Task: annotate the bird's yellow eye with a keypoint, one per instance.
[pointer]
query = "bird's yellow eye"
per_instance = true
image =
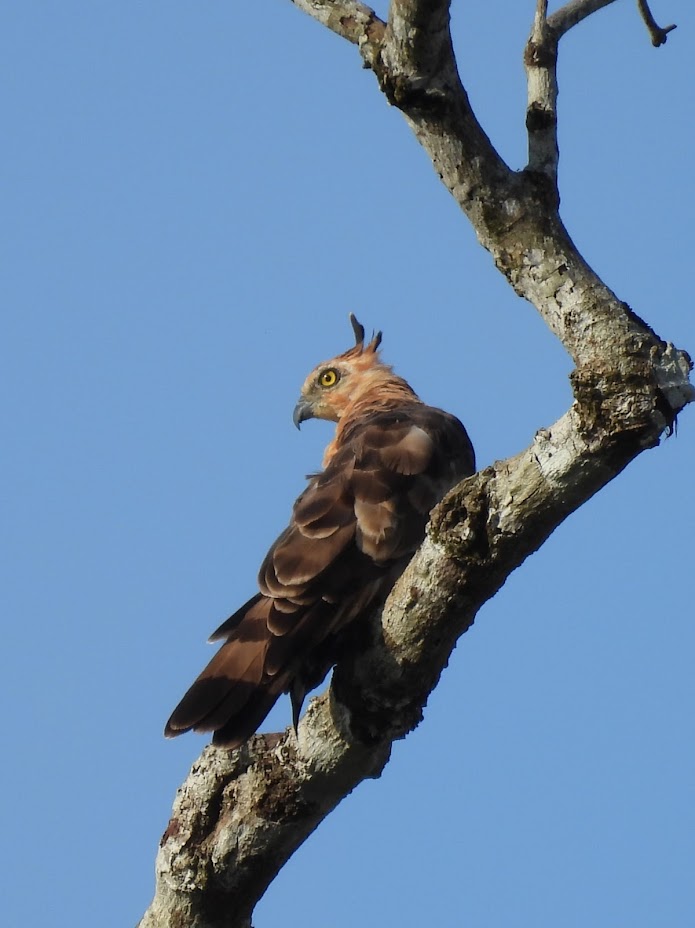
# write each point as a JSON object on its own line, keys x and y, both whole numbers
{"x": 329, "y": 377}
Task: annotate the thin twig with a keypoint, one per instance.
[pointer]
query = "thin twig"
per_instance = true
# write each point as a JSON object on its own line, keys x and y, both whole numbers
{"x": 657, "y": 34}
{"x": 572, "y": 13}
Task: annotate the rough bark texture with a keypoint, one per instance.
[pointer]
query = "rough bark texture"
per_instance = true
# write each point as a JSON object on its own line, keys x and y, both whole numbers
{"x": 241, "y": 814}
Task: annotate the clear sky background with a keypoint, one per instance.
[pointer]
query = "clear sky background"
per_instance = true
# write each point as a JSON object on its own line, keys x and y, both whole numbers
{"x": 195, "y": 196}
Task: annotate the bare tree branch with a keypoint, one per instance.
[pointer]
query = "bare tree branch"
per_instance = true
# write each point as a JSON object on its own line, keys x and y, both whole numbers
{"x": 349, "y": 19}
{"x": 657, "y": 34}
{"x": 241, "y": 814}
{"x": 420, "y": 29}
{"x": 572, "y": 13}
{"x": 540, "y": 63}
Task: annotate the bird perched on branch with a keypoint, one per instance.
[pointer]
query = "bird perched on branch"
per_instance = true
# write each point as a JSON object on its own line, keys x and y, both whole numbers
{"x": 352, "y": 532}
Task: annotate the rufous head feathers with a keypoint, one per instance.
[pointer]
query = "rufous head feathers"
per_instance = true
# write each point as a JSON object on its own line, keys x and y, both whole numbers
{"x": 334, "y": 386}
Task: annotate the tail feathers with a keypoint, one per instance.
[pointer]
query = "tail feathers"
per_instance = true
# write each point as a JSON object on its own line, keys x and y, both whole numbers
{"x": 241, "y": 726}
{"x": 245, "y": 678}
{"x": 233, "y": 719}
{"x": 201, "y": 699}
{"x": 224, "y": 689}
{"x": 231, "y": 624}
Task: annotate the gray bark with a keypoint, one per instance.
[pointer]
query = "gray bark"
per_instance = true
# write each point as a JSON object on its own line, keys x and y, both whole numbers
{"x": 241, "y": 814}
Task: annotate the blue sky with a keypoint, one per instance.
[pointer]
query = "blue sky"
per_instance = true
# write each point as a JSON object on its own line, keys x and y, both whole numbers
{"x": 195, "y": 197}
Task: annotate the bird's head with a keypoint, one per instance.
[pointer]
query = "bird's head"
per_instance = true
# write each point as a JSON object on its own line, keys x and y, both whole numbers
{"x": 334, "y": 386}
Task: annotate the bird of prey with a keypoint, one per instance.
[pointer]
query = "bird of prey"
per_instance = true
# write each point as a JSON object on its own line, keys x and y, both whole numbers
{"x": 351, "y": 534}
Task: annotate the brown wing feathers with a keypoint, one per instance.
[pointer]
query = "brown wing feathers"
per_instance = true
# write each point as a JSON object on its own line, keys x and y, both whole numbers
{"x": 352, "y": 531}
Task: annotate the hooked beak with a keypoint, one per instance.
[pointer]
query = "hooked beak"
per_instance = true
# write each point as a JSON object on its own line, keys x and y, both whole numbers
{"x": 302, "y": 411}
